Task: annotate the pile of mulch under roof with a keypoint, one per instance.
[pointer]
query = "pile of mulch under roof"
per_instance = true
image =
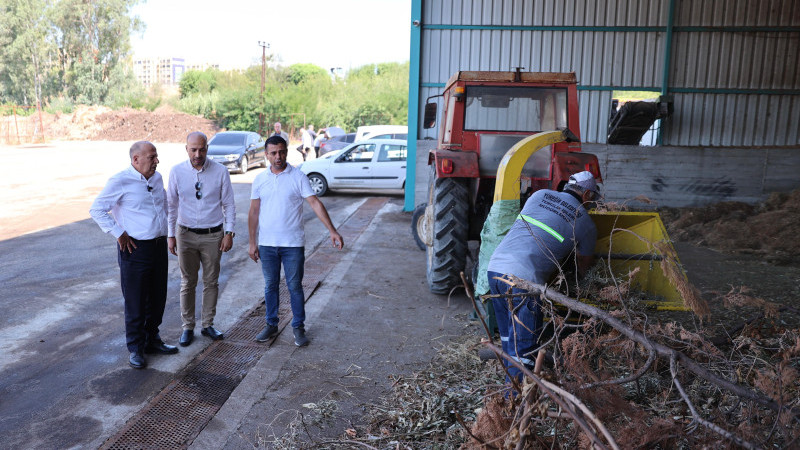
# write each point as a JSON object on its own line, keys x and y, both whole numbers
{"x": 768, "y": 230}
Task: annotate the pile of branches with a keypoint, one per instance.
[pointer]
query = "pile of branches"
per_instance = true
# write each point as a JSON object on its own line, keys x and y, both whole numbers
{"x": 610, "y": 373}
{"x": 614, "y": 379}
{"x": 619, "y": 380}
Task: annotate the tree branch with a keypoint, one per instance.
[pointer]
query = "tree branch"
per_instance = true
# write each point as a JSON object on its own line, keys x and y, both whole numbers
{"x": 641, "y": 338}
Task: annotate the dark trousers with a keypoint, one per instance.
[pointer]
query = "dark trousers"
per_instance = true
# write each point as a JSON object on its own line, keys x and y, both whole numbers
{"x": 143, "y": 276}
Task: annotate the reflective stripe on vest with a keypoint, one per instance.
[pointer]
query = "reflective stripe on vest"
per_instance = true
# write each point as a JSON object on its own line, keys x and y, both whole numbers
{"x": 533, "y": 221}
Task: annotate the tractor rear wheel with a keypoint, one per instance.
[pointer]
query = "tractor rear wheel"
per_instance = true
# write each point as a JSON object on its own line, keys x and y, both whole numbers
{"x": 447, "y": 256}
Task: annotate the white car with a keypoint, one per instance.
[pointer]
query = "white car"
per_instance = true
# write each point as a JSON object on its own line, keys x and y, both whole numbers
{"x": 373, "y": 164}
{"x": 365, "y": 132}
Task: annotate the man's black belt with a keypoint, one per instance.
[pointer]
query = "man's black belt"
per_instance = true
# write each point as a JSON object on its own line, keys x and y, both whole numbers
{"x": 203, "y": 230}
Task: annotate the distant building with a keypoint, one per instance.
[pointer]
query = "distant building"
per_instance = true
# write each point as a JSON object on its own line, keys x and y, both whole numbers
{"x": 202, "y": 66}
{"x": 164, "y": 71}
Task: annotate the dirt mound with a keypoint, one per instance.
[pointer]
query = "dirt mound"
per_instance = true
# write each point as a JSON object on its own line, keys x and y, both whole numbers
{"x": 162, "y": 125}
{"x": 768, "y": 230}
{"x": 101, "y": 123}
{"x": 78, "y": 125}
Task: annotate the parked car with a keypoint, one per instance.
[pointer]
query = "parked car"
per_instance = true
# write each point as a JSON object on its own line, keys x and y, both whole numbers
{"x": 373, "y": 164}
{"x": 403, "y": 136}
{"x": 383, "y": 131}
{"x": 336, "y": 143}
{"x": 237, "y": 150}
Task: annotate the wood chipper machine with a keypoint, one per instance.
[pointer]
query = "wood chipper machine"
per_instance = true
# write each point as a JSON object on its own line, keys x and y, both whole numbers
{"x": 486, "y": 114}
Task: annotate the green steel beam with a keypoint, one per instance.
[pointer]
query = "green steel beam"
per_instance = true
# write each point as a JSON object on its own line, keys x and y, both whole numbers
{"x": 671, "y": 89}
{"x": 737, "y": 29}
{"x": 667, "y": 60}
{"x": 540, "y": 28}
{"x": 413, "y": 103}
{"x": 735, "y": 91}
{"x": 619, "y": 28}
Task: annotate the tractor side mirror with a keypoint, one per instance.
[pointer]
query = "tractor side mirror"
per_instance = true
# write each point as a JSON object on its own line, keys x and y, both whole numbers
{"x": 429, "y": 120}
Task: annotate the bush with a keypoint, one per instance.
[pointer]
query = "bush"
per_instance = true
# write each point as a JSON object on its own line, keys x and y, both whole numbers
{"x": 60, "y": 104}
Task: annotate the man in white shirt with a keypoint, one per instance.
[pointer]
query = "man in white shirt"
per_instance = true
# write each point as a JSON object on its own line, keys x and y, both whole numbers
{"x": 201, "y": 217}
{"x": 133, "y": 208}
{"x": 308, "y": 136}
{"x": 275, "y": 223}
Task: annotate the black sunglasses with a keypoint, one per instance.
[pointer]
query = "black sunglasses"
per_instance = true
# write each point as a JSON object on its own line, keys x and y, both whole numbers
{"x": 197, "y": 187}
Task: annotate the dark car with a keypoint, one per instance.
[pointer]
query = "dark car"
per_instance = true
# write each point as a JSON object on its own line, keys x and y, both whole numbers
{"x": 237, "y": 150}
{"x": 336, "y": 143}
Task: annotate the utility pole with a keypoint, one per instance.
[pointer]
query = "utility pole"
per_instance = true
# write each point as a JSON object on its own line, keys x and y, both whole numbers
{"x": 264, "y": 47}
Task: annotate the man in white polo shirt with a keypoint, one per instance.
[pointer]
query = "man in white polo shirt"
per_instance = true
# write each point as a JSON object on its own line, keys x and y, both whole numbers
{"x": 275, "y": 223}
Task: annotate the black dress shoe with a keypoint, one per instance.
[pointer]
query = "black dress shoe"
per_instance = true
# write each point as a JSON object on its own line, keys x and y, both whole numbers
{"x": 137, "y": 361}
{"x": 212, "y": 333}
{"x": 161, "y": 347}
{"x": 186, "y": 338}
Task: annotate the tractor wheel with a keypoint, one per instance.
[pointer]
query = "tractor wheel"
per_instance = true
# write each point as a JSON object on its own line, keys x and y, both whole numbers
{"x": 447, "y": 256}
{"x": 418, "y": 226}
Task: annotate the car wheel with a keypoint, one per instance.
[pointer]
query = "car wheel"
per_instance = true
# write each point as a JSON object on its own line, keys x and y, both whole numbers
{"x": 318, "y": 184}
{"x": 418, "y": 226}
{"x": 243, "y": 166}
{"x": 264, "y": 162}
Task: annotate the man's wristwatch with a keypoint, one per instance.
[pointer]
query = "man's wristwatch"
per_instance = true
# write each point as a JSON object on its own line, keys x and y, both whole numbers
{"x": 230, "y": 233}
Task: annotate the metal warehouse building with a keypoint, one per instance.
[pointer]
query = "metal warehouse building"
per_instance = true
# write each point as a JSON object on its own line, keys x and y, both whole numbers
{"x": 730, "y": 67}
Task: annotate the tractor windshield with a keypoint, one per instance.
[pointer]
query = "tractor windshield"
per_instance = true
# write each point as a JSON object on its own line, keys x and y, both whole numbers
{"x": 514, "y": 108}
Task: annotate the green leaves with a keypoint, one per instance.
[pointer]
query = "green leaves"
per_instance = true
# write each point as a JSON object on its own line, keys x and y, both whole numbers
{"x": 64, "y": 49}
{"x": 299, "y": 95}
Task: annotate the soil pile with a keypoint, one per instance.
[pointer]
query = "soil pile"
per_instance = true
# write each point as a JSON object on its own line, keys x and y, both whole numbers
{"x": 769, "y": 230}
{"x": 101, "y": 123}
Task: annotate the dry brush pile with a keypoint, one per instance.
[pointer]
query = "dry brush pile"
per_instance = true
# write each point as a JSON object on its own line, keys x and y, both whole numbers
{"x": 611, "y": 373}
{"x": 615, "y": 379}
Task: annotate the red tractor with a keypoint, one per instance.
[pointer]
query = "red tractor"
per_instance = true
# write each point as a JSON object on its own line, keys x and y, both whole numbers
{"x": 485, "y": 114}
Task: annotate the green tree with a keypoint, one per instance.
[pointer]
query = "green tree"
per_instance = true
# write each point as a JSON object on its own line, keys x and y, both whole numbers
{"x": 302, "y": 94}
{"x": 195, "y": 81}
{"x": 92, "y": 39}
{"x": 24, "y": 50}
{"x": 66, "y": 49}
{"x": 299, "y": 73}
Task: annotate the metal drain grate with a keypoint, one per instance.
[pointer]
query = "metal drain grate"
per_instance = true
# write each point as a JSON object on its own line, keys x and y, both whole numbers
{"x": 182, "y": 409}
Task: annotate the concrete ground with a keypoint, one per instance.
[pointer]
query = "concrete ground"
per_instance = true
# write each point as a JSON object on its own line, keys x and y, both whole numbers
{"x": 371, "y": 319}
{"x": 65, "y": 380}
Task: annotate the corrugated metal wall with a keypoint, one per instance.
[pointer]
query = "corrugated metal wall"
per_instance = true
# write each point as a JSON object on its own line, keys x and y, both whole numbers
{"x": 734, "y": 70}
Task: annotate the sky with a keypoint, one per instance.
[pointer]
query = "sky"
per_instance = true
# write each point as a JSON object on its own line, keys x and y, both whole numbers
{"x": 331, "y": 34}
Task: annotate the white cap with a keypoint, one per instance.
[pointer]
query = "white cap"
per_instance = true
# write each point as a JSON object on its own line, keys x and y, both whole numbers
{"x": 585, "y": 180}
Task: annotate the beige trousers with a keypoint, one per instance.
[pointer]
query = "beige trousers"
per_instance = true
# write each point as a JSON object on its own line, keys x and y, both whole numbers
{"x": 196, "y": 250}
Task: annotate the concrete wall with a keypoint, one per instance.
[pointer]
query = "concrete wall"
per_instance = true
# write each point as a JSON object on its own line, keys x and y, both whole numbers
{"x": 695, "y": 176}
{"x": 675, "y": 176}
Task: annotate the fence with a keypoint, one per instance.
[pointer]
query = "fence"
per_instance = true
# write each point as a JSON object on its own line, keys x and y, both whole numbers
{"x": 20, "y": 124}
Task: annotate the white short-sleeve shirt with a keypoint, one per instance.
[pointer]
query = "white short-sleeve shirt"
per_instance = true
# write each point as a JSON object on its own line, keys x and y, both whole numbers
{"x": 280, "y": 219}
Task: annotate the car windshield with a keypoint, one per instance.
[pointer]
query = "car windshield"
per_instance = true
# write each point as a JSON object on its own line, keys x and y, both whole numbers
{"x": 227, "y": 139}
{"x": 498, "y": 108}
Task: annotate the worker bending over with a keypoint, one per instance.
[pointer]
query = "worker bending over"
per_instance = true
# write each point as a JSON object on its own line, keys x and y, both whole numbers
{"x": 551, "y": 226}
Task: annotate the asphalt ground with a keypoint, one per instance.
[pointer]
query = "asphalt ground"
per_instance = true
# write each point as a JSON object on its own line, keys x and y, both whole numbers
{"x": 64, "y": 379}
